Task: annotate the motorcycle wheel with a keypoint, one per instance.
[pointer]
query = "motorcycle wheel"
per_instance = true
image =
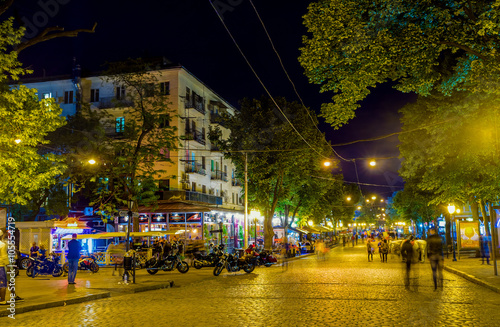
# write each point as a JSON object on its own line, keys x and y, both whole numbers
{"x": 268, "y": 264}
{"x": 57, "y": 272}
{"x": 65, "y": 267}
{"x": 218, "y": 270}
{"x": 24, "y": 263}
{"x": 183, "y": 267}
{"x": 94, "y": 267}
{"x": 248, "y": 268}
{"x": 151, "y": 271}
{"x": 198, "y": 265}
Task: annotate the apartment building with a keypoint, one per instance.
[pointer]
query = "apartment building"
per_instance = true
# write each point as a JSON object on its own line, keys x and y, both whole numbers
{"x": 203, "y": 176}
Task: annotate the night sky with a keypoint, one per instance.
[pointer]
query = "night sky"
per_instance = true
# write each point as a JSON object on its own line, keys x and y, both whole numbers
{"x": 190, "y": 33}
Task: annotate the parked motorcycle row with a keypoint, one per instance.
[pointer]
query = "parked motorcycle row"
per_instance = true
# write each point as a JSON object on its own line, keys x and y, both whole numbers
{"x": 47, "y": 266}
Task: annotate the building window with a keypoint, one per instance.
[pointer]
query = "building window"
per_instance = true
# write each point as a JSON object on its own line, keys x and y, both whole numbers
{"x": 149, "y": 90}
{"x": 165, "y": 88}
{"x": 164, "y": 185}
{"x": 203, "y": 162}
{"x": 165, "y": 152}
{"x": 68, "y": 97}
{"x": 194, "y": 187}
{"x": 164, "y": 121}
{"x": 120, "y": 93}
{"x": 94, "y": 95}
{"x": 188, "y": 95}
{"x": 211, "y": 165}
{"x": 47, "y": 95}
{"x": 233, "y": 197}
{"x": 203, "y": 189}
{"x": 120, "y": 124}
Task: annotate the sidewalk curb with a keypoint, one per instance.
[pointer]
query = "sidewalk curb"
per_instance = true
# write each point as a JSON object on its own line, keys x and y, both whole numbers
{"x": 59, "y": 303}
{"x": 472, "y": 279}
{"x": 136, "y": 289}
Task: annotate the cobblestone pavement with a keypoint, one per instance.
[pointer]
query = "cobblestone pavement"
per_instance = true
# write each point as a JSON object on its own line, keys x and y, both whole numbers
{"x": 343, "y": 290}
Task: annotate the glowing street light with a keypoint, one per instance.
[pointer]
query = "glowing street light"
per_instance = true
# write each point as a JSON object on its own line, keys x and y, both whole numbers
{"x": 374, "y": 197}
{"x": 310, "y": 223}
{"x": 348, "y": 198}
{"x": 327, "y": 163}
{"x": 91, "y": 161}
{"x": 17, "y": 141}
{"x": 373, "y": 163}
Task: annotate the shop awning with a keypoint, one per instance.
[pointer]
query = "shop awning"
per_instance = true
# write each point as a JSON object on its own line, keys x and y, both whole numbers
{"x": 124, "y": 234}
{"x": 298, "y": 230}
{"x": 312, "y": 230}
{"x": 322, "y": 228}
{"x": 174, "y": 206}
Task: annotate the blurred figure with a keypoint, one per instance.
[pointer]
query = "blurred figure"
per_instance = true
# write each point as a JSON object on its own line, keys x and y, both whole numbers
{"x": 385, "y": 249}
{"x": 34, "y": 250}
{"x": 485, "y": 249}
{"x": 407, "y": 255}
{"x": 436, "y": 257}
{"x": 369, "y": 248}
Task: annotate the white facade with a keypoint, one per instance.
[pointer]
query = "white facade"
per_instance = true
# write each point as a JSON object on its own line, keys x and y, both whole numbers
{"x": 203, "y": 175}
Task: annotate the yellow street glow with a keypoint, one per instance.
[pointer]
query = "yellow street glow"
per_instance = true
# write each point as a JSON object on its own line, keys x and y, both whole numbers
{"x": 373, "y": 163}
{"x": 91, "y": 161}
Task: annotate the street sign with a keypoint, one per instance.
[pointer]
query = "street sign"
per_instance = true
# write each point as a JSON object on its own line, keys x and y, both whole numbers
{"x": 135, "y": 214}
{"x": 122, "y": 213}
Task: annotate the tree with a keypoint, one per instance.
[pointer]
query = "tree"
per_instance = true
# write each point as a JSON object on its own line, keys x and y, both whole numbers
{"x": 422, "y": 46}
{"x": 128, "y": 168}
{"x": 277, "y": 157}
{"x": 26, "y": 120}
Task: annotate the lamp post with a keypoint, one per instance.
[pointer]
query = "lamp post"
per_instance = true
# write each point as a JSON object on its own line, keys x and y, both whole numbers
{"x": 129, "y": 213}
{"x": 255, "y": 221}
{"x": 451, "y": 210}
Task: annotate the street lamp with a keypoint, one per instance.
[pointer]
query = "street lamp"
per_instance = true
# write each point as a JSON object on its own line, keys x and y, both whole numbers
{"x": 373, "y": 163}
{"x": 327, "y": 163}
{"x": 348, "y": 198}
{"x": 91, "y": 161}
{"x": 451, "y": 210}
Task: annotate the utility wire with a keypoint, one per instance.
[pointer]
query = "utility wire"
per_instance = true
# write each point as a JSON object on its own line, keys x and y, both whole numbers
{"x": 260, "y": 81}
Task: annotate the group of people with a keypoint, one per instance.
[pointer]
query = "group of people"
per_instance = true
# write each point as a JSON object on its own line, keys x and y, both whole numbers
{"x": 383, "y": 249}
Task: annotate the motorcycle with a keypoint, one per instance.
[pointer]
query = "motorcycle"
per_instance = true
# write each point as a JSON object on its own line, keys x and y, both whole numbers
{"x": 209, "y": 260}
{"x": 169, "y": 263}
{"x": 266, "y": 258}
{"x": 49, "y": 266}
{"x": 85, "y": 263}
{"x": 233, "y": 263}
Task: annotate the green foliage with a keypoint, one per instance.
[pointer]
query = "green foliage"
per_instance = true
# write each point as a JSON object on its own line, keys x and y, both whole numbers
{"x": 281, "y": 167}
{"x": 412, "y": 204}
{"x": 127, "y": 168}
{"x": 451, "y": 144}
{"x": 423, "y": 46}
{"x": 24, "y": 117}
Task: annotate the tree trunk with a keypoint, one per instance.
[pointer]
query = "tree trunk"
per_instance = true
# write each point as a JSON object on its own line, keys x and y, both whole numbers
{"x": 485, "y": 218}
{"x": 475, "y": 210}
{"x": 268, "y": 229}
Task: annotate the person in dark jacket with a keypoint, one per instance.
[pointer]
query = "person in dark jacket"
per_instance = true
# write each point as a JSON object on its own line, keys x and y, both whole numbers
{"x": 436, "y": 257}
{"x": 74, "y": 248}
{"x": 407, "y": 255}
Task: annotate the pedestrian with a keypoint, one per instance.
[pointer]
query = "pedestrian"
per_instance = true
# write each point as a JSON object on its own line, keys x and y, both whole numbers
{"x": 485, "y": 249}
{"x": 436, "y": 257}
{"x": 42, "y": 252}
{"x": 385, "y": 250}
{"x": 4, "y": 261}
{"x": 369, "y": 248}
{"x": 379, "y": 245}
{"x": 34, "y": 250}
{"x": 407, "y": 255}
{"x": 74, "y": 248}
{"x": 343, "y": 240}
{"x": 352, "y": 239}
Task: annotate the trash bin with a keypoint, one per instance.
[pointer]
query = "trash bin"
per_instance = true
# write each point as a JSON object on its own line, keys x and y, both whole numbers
{"x": 127, "y": 263}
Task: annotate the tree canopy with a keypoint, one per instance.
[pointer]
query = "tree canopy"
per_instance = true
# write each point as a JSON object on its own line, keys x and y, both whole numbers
{"x": 423, "y": 46}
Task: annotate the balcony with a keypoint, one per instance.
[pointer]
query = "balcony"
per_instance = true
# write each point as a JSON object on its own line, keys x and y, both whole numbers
{"x": 197, "y": 103}
{"x": 216, "y": 118}
{"x": 196, "y": 168}
{"x": 113, "y": 102}
{"x": 218, "y": 175}
{"x": 195, "y": 135}
{"x": 190, "y": 196}
{"x": 235, "y": 182}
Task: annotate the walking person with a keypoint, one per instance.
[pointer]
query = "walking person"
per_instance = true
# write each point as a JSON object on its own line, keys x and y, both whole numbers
{"x": 369, "y": 248}
{"x": 385, "y": 249}
{"x": 485, "y": 249}
{"x": 436, "y": 257}
{"x": 407, "y": 255}
{"x": 352, "y": 239}
{"x": 74, "y": 248}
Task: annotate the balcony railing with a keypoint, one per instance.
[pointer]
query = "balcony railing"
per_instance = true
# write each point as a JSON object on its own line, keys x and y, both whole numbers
{"x": 216, "y": 118}
{"x": 235, "y": 182}
{"x": 218, "y": 175}
{"x": 190, "y": 196}
{"x": 197, "y": 103}
{"x": 112, "y": 102}
{"x": 195, "y": 135}
{"x": 195, "y": 168}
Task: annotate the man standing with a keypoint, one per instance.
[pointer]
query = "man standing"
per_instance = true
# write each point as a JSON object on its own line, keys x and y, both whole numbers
{"x": 436, "y": 257}
{"x": 74, "y": 249}
{"x": 4, "y": 261}
{"x": 34, "y": 250}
